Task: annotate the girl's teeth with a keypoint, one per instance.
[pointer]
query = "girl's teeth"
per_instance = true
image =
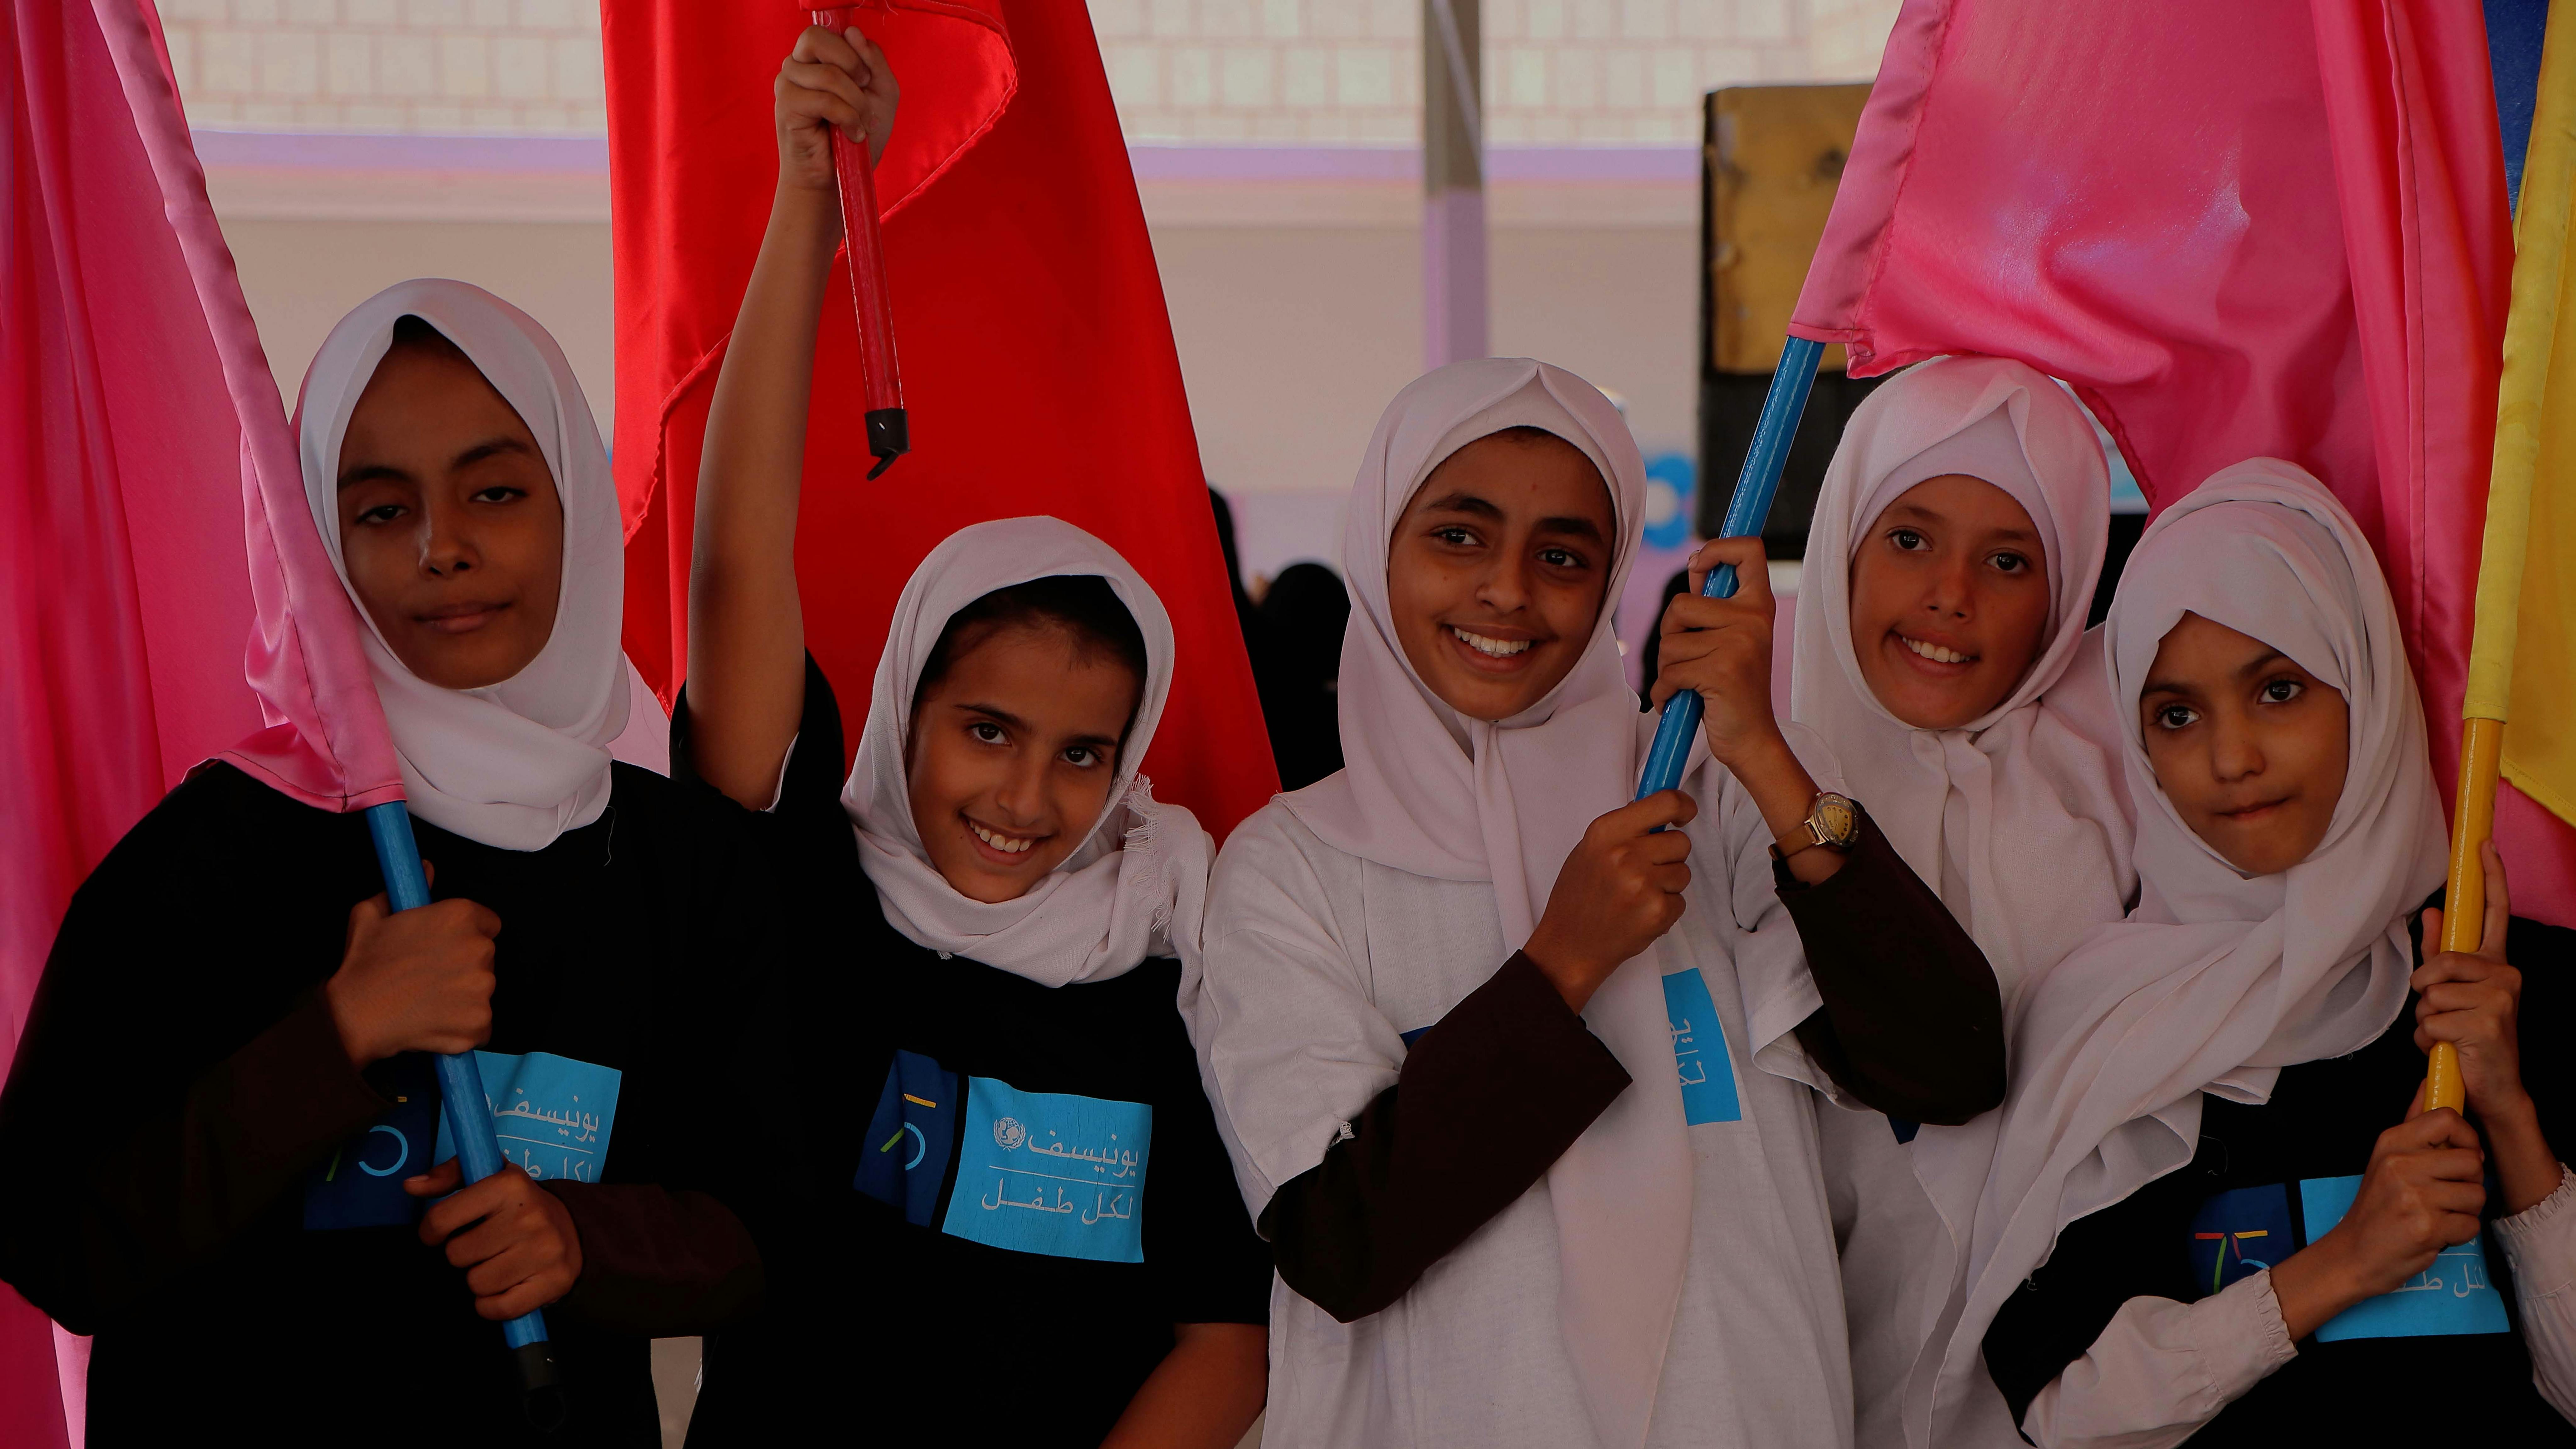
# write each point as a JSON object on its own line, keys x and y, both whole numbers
{"x": 1499, "y": 648}
{"x": 1935, "y": 652}
{"x": 999, "y": 842}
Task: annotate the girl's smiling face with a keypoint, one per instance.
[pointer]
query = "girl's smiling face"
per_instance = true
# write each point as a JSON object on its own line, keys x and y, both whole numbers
{"x": 1496, "y": 572}
{"x": 1949, "y": 601}
{"x": 1013, "y": 752}
{"x": 450, "y": 526}
{"x": 2250, "y": 748}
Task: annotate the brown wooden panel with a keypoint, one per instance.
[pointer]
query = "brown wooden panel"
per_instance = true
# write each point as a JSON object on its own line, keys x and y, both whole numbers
{"x": 1772, "y": 158}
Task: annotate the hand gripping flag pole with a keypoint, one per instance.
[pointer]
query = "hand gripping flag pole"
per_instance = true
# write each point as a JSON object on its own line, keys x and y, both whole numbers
{"x": 880, "y": 380}
{"x": 1782, "y": 406}
{"x": 469, "y": 1115}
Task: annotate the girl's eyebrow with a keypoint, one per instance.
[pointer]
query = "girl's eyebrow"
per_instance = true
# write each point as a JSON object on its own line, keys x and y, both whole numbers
{"x": 997, "y": 714}
{"x": 370, "y": 472}
{"x": 1583, "y": 528}
{"x": 2257, "y": 665}
{"x": 490, "y": 447}
{"x": 2262, "y": 662}
{"x": 1463, "y": 502}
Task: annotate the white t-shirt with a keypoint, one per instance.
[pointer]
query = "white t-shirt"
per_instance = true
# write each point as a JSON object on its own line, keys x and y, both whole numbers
{"x": 1318, "y": 962}
{"x": 1900, "y": 1276}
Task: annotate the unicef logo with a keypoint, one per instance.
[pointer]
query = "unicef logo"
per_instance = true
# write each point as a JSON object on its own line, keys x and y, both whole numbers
{"x": 1008, "y": 1132}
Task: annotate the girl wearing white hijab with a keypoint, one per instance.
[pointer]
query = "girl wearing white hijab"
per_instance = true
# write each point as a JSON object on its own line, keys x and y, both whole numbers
{"x": 1595, "y": 1224}
{"x": 2171, "y": 1242}
{"x": 2012, "y": 812}
{"x": 1939, "y": 652}
{"x": 1003, "y": 922}
{"x": 224, "y": 1077}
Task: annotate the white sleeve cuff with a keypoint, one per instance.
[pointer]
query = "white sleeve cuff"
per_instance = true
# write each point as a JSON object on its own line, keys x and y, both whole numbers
{"x": 2161, "y": 1369}
{"x": 778, "y": 792}
{"x": 2242, "y": 1336}
{"x": 2540, "y": 1241}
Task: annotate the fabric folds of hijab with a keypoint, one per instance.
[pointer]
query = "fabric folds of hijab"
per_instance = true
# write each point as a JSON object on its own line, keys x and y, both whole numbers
{"x": 1137, "y": 885}
{"x": 2217, "y": 981}
{"x": 1431, "y": 792}
{"x": 518, "y": 763}
{"x": 2016, "y": 816}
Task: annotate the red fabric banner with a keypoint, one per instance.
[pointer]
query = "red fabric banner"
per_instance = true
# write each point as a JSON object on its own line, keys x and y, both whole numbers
{"x": 2237, "y": 231}
{"x": 1038, "y": 366}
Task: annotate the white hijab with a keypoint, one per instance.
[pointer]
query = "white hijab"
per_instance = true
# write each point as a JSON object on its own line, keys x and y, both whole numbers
{"x": 1431, "y": 792}
{"x": 518, "y": 763}
{"x": 1135, "y": 887}
{"x": 2217, "y": 981}
{"x": 2015, "y": 817}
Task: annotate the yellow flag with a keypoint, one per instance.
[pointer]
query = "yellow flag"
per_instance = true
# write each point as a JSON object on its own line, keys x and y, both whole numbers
{"x": 2522, "y": 663}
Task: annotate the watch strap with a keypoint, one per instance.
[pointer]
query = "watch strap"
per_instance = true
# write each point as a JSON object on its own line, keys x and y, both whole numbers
{"x": 1810, "y": 834}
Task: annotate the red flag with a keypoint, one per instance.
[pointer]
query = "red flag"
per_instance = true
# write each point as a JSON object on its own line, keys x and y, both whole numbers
{"x": 2238, "y": 230}
{"x": 1037, "y": 357}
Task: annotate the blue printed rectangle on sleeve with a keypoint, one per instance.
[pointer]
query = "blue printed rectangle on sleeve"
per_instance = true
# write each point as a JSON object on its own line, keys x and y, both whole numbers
{"x": 2453, "y": 1296}
{"x": 911, "y": 1138}
{"x": 1052, "y": 1173}
{"x": 2238, "y": 1234}
{"x": 1699, "y": 1051}
{"x": 551, "y": 1115}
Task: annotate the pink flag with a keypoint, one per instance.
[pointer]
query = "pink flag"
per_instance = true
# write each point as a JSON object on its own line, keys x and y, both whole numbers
{"x": 138, "y": 418}
{"x": 325, "y": 740}
{"x": 2238, "y": 230}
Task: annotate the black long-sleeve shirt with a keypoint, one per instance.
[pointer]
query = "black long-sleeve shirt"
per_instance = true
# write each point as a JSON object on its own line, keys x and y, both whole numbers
{"x": 1001, "y": 1152}
{"x": 2250, "y": 1197}
{"x": 197, "y": 1175}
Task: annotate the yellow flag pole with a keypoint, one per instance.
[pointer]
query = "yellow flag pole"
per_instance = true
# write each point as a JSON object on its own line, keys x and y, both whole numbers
{"x": 2531, "y": 326}
{"x": 2464, "y": 900}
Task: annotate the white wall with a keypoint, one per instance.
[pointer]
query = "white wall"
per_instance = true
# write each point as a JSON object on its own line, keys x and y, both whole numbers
{"x": 300, "y": 276}
{"x": 1292, "y": 338}
{"x": 1292, "y": 341}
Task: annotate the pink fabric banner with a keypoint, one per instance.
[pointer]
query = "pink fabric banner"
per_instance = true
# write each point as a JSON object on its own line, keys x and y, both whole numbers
{"x": 323, "y": 738}
{"x": 122, "y": 584}
{"x": 137, "y": 419}
{"x": 2237, "y": 230}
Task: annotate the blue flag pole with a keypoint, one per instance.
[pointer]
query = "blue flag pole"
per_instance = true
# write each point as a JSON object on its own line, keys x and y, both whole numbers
{"x": 469, "y": 1113}
{"x": 1754, "y": 489}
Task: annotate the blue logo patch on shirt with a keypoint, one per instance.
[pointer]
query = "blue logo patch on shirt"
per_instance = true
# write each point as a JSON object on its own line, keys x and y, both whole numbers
{"x": 2453, "y": 1296}
{"x": 360, "y": 1184}
{"x": 1052, "y": 1173}
{"x": 1699, "y": 1051}
{"x": 2238, "y": 1234}
{"x": 552, "y": 1115}
{"x": 911, "y": 1138}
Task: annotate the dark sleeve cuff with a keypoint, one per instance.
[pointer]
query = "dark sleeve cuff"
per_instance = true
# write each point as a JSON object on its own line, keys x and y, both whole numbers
{"x": 288, "y": 1095}
{"x": 1492, "y": 1095}
{"x": 1912, "y": 1023}
{"x": 813, "y": 758}
{"x": 804, "y": 837}
{"x": 164, "y": 1191}
{"x": 656, "y": 1263}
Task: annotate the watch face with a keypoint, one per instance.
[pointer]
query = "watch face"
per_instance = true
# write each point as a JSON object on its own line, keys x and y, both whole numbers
{"x": 1836, "y": 818}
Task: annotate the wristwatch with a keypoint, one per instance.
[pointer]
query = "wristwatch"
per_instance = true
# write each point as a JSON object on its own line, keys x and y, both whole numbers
{"x": 1832, "y": 822}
